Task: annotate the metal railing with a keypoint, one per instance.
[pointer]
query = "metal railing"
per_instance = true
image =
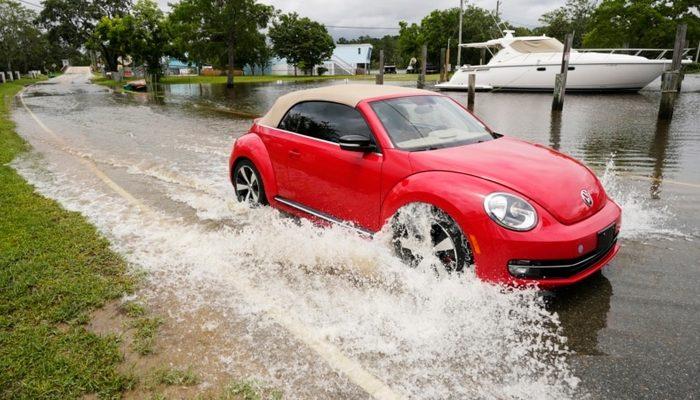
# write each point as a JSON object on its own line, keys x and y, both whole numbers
{"x": 660, "y": 53}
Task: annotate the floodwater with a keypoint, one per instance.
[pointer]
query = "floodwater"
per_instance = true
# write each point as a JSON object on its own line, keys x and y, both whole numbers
{"x": 323, "y": 313}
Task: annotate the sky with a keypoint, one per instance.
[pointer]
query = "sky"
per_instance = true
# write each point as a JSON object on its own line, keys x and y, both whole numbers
{"x": 337, "y": 14}
{"x": 388, "y": 13}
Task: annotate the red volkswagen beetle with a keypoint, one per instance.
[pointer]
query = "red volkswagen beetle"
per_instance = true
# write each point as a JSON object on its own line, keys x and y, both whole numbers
{"x": 367, "y": 155}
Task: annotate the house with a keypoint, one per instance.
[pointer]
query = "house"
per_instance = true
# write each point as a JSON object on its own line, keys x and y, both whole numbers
{"x": 347, "y": 59}
{"x": 178, "y": 67}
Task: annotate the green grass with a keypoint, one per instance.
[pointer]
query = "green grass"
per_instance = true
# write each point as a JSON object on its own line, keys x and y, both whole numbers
{"x": 249, "y": 390}
{"x": 175, "y": 377}
{"x": 275, "y": 78}
{"x": 145, "y": 331}
{"x": 55, "y": 268}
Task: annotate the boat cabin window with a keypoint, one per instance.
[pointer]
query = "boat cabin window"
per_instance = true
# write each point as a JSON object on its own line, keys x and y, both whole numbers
{"x": 546, "y": 45}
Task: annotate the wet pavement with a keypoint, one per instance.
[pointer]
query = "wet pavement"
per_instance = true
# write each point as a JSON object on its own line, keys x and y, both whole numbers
{"x": 151, "y": 173}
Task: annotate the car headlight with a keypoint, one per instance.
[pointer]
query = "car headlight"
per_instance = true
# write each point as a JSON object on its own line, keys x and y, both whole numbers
{"x": 510, "y": 211}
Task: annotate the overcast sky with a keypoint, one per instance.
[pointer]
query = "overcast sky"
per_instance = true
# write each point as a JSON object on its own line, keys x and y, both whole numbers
{"x": 388, "y": 13}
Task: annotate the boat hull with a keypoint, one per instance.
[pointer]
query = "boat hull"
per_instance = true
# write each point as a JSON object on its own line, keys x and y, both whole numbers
{"x": 598, "y": 77}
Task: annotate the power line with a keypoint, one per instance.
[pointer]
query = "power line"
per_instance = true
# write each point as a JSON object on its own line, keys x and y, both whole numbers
{"x": 362, "y": 27}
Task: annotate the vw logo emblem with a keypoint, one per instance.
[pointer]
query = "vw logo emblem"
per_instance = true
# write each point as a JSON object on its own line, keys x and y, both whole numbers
{"x": 586, "y": 197}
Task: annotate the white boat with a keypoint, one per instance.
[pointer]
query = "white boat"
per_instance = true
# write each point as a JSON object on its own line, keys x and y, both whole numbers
{"x": 531, "y": 63}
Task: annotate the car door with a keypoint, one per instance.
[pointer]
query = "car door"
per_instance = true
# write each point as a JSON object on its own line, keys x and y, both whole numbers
{"x": 340, "y": 183}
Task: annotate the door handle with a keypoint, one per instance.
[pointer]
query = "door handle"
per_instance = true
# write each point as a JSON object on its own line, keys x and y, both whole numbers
{"x": 294, "y": 154}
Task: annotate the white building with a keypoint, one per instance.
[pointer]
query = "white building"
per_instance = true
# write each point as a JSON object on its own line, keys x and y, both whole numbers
{"x": 347, "y": 59}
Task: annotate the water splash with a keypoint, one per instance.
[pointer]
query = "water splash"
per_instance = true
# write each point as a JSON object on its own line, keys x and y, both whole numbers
{"x": 450, "y": 336}
{"x": 641, "y": 217}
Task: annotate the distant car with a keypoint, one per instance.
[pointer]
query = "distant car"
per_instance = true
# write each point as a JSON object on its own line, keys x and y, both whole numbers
{"x": 367, "y": 155}
{"x": 390, "y": 69}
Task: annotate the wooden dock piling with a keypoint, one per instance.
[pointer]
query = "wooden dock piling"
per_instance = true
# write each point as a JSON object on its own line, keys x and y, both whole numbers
{"x": 423, "y": 65}
{"x": 380, "y": 76}
{"x": 560, "y": 80}
{"x": 671, "y": 80}
{"x": 472, "y": 91}
{"x": 443, "y": 70}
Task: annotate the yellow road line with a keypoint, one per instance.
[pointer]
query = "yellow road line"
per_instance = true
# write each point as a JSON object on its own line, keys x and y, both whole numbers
{"x": 327, "y": 351}
{"x": 650, "y": 178}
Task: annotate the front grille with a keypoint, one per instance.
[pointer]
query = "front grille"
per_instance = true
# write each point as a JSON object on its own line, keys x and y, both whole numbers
{"x": 547, "y": 269}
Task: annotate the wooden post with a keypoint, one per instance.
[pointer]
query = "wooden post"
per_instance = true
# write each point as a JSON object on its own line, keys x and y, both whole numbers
{"x": 9, "y": 76}
{"x": 443, "y": 72}
{"x": 482, "y": 56}
{"x": 2, "y": 77}
{"x": 697, "y": 53}
{"x": 17, "y": 75}
{"x": 423, "y": 65}
{"x": 447, "y": 62}
{"x": 472, "y": 90}
{"x": 380, "y": 75}
{"x": 678, "y": 53}
{"x": 671, "y": 80}
{"x": 560, "y": 80}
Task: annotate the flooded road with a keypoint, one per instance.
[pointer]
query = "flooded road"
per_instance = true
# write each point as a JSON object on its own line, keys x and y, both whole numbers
{"x": 322, "y": 313}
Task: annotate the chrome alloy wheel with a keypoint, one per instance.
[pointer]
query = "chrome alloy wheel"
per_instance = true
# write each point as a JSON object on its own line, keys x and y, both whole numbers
{"x": 247, "y": 185}
{"x": 439, "y": 236}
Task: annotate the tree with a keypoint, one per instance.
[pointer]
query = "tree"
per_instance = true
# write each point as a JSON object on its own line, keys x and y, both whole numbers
{"x": 641, "y": 23}
{"x": 410, "y": 40}
{"x": 574, "y": 17}
{"x": 442, "y": 25}
{"x": 215, "y": 31}
{"x": 20, "y": 39}
{"x": 113, "y": 36}
{"x": 303, "y": 42}
{"x": 151, "y": 36}
{"x": 71, "y": 23}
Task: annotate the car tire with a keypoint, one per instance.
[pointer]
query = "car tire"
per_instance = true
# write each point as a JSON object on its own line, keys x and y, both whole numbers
{"x": 446, "y": 241}
{"x": 248, "y": 184}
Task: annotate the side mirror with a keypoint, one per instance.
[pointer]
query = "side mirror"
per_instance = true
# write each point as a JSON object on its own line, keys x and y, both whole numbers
{"x": 356, "y": 143}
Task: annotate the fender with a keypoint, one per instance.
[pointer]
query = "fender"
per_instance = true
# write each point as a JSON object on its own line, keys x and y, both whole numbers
{"x": 459, "y": 195}
{"x": 251, "y": 146}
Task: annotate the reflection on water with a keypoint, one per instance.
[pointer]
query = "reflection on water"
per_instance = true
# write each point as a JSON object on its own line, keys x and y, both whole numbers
{"x": 658, "y": 153}
{"x": 555, "y": 130}
{"x": 583, "y": 312}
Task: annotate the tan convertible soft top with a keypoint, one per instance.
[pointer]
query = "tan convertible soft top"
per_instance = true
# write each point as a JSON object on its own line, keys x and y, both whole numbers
{"x": 349, "y": 94}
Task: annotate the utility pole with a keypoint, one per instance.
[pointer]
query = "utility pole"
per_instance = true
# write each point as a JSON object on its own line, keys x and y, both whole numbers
{"x": 459, "y": 39}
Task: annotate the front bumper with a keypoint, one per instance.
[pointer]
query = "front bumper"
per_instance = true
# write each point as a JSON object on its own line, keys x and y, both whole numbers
{"x": 552, "y": 254}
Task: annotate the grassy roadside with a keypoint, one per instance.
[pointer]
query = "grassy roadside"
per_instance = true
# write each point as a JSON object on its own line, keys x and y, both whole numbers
{"x": 57, "y": 273}
{"x": 275, "y": 78}
{"x": 55, "y": 268}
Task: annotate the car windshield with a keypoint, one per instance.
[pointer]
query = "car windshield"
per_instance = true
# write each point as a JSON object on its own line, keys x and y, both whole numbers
{"x": 428, "y": 122}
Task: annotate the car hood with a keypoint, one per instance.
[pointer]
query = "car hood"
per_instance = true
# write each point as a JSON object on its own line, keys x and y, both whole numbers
{"x": 545, "y": 176}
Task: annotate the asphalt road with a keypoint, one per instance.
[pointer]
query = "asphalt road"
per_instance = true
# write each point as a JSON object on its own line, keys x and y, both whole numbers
{"x": 322, "y": 313}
